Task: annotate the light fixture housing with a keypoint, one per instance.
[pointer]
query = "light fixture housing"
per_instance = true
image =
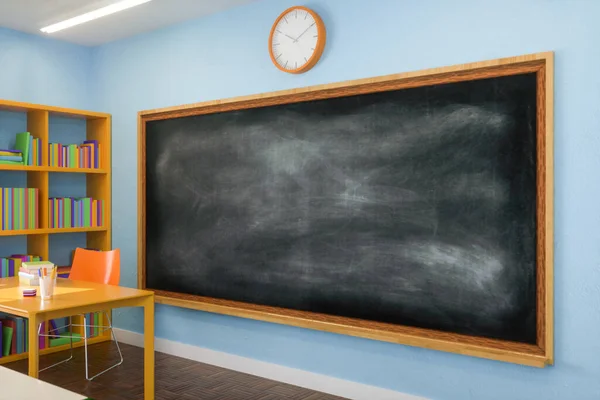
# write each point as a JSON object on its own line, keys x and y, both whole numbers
{"x": 92, "y": 15}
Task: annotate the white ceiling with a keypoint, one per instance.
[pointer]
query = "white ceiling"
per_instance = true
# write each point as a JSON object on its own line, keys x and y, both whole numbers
{"x": 31, "y": 15}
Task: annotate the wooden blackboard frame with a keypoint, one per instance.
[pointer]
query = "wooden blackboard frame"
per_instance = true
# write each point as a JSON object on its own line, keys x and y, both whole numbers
{"x": 538, "y": 355}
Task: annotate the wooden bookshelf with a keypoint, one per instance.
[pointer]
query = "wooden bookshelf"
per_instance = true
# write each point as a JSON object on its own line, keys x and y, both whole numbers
{"x": 98, "y": 186}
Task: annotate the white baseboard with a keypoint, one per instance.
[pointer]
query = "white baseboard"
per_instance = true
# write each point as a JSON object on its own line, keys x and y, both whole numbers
{"x": 310, "y": 380}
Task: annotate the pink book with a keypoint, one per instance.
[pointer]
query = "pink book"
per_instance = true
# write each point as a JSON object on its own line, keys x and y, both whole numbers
{"x": 42, "y": 339}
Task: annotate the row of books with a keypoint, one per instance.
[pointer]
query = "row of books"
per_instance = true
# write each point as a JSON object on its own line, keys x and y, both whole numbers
{"x": 75, "y": 212}
{"x": 35, "y": 152}
{"x": 14, "y": 332}
{"x": 13, "y": 329}
{"x": 58, "y": 328}
{"x": 27, "y": 151}
{"x": 19, "y": 208}
{"x": 13, "y": 335}
{"x": 10, "y": 266}
{"x": 86, "y": 155}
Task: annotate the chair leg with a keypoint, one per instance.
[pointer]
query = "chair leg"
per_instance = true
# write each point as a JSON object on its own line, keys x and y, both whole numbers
{"x": 65, "y": 360}
{"x": 118, "y": 349}
{"x": 85, "y": 329}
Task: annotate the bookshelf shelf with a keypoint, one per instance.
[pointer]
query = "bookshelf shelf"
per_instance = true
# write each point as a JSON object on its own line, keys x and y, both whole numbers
{"x": 50, "y": 350}
{"x": 30, "y": 168}
{"x": 50, "y": 231}
{"x": 96, "y": 126}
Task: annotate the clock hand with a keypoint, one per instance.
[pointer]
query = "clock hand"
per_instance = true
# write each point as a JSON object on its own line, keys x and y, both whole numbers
{"x": 290, "y": 37}
{"x": 304, "y": 31}
{"x": 285, "y": 34}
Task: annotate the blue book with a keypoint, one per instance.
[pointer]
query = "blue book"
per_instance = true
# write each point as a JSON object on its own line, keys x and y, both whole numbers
{"x": 30, "y": 157}
{"x": 19, "y": 336}
{"x": 11, "y": 158}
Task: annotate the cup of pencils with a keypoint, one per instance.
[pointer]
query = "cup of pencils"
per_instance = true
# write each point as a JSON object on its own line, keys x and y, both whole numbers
{"x": 47, "y": 281}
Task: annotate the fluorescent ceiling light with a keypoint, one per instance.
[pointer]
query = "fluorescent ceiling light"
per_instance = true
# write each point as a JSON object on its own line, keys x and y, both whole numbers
{"x": 99, "y": 13}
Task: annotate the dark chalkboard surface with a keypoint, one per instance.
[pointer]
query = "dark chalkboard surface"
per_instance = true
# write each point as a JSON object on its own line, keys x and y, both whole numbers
{"x": 414, "y": 207}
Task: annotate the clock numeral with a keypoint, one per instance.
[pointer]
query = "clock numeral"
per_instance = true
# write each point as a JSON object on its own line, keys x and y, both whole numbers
{"x": 296, "y": 14}
{"x": 316, "y": 36}
{"x": 285, "y": 66}
{"x": 275, "y": 44}
{"x": 280, "y": 54}
{"x": 296, "y": 65}
{"x": 312, "y": 48}
{"x": 305, "y": 59}
{"x": 287, "y": 22}
{"x": 306, "y": 15}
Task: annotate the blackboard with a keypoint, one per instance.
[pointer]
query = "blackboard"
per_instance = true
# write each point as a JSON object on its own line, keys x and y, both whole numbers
{"x": 413, "y": 207}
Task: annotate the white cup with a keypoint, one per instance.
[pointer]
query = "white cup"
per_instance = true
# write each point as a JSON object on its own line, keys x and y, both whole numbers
{"x": 47, "y": 283}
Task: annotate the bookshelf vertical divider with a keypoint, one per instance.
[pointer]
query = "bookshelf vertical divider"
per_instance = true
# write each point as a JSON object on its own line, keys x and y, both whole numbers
{"x": 98, "y": 186}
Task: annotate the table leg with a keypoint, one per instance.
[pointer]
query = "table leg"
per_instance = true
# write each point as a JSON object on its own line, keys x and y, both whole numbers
{"x": 34, "y": 321}
{"x": 149, "y": 348}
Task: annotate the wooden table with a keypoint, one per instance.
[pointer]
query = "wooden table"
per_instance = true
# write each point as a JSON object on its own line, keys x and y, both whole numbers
{"x": 78, "y": 297}
{"x": 17, "y": 386}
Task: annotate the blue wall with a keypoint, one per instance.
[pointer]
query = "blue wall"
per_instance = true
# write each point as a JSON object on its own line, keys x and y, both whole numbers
{"x": 45, "y": 71}
{"x": 226, "y": 55}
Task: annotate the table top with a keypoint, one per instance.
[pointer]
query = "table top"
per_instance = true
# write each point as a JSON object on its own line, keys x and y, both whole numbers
{"x": 17, "y": 386}
{"x": 67, "y": 294}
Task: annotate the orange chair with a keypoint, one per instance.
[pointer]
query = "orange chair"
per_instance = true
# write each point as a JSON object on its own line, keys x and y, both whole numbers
{"x": 99, "y": 267}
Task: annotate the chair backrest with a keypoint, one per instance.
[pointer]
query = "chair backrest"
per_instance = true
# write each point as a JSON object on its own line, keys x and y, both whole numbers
{"x": 96, "y": 266}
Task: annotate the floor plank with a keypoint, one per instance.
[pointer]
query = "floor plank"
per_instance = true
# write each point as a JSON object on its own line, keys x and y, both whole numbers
{"x": 176, "y": 378}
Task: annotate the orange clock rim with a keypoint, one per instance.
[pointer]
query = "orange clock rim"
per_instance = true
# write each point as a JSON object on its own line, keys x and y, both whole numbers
{"x": 318, "y": 49}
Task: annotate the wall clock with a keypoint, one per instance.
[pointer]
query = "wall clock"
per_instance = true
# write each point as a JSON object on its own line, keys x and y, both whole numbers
{"x": 297, "y": 40}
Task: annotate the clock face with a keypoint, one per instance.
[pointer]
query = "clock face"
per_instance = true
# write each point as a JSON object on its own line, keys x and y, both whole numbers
{"x": 297, "y": 40}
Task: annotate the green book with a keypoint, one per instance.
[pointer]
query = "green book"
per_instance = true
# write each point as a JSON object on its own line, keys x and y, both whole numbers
{"x": 65, "y": 340}
{"x": 68, "y": 213}
{"x": 6, "y": 340}
{"x": 86, "y": 213}
{"x": 23, "y": 145}
{"x": 11, "y": 162}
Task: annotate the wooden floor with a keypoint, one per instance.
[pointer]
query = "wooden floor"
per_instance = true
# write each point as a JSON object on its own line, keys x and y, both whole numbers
{"x": 176, "y": 378}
